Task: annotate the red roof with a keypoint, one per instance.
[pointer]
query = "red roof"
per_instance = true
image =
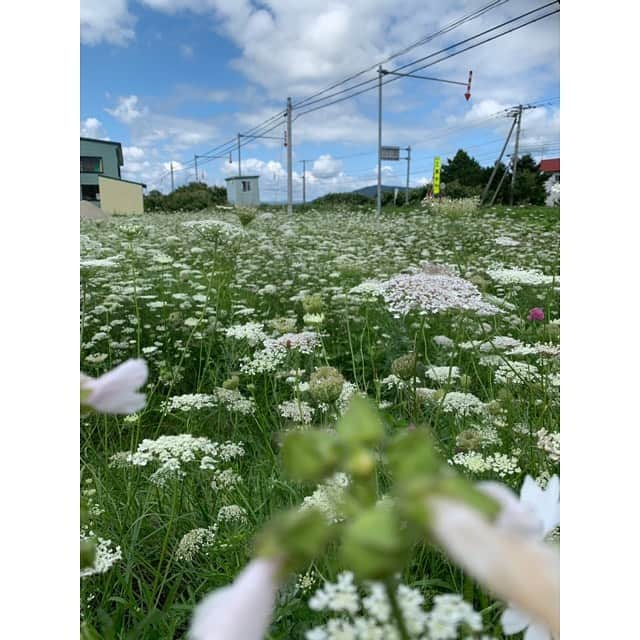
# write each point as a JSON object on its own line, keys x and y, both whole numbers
{"x": 550, "y": 166}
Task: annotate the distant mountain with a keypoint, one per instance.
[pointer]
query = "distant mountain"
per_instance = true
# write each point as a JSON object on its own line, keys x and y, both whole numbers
{"x": 372, "y": 191}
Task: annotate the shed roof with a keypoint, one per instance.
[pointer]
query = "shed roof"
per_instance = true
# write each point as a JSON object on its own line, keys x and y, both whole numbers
{"x": 240, "y": 177}
{"x": 142, "y": 184}
{"x": 552, "y": 165}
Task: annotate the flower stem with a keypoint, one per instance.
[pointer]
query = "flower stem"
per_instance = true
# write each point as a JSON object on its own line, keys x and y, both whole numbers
{"x": 390, "y": 586}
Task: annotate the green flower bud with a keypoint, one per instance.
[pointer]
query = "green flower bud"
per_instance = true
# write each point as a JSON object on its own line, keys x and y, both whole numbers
{"x": 87, "y": 553}
{"x": 246, "y": 215}
{"x": 175, "y": 318}
{"x": 411, "y": 454}
{"x": 468, "y": 440}
{"x": 231, "y": 383}
{"x": 504, "y": 395}
{"x": 361, "y": 424}
{"x": 310, "y": 455}
{"x": 375, "y": 545}
{"x": 325, "y": 384}
{"x": 405, "y": 366}
{"x": 312, "y": 304}
{"x": 361, "y": 464}
{"x": 465, "y": 381}
{"x": 297, "y": 536}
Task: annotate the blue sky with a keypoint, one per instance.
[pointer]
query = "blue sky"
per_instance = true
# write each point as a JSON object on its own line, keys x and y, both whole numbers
{"x": 174, "y": 78}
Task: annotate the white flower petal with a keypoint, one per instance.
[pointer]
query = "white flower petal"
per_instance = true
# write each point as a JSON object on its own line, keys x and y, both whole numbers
{"x": 519, "y": 569}
{"x": 515, "y": 516}
{"x": 116, "y": 391}
{"x": 513, "y": 621}
{"x": 241, "y": 611}
{"x": 545, "y": 503}
{"x": 537, "y": 631}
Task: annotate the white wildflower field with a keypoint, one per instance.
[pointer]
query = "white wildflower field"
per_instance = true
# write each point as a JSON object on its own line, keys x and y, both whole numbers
{"x": 318, "y": 384}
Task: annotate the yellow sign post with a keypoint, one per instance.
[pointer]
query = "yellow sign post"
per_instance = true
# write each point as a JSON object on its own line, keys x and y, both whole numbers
{"x": 436, "y": 175}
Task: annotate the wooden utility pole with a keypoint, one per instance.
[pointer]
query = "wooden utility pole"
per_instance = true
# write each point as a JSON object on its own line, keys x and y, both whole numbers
{"x": 515, "y": 155}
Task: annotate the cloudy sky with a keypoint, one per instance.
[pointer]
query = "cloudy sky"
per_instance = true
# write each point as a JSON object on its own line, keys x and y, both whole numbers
{"x": 173, "y": 78}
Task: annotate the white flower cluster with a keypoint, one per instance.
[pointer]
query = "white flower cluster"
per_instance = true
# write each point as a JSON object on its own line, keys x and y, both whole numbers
{"x": 171, "y": 453}
{"x": 189, "y": 402}
{"x": 275, "y": 351}
{"x": 230, "y": 399}
{"x": 232, "y": 513}
{"x": 431, "y": 290}
{"x": 442, "y": 374}
{"x": 370, "y": 617}
{"x": 499, "y": 463}
{"x": 233, "y": 400}
{"x": 506, "y": 241}
{"x": 298, "y": 411}
{"x": 195, "y": 541}
{"x": 106, "y": 556}
{"x": 548, "y": 349}
{"x": 252, "y": 332}
{"x": 463, "y": 404}
{"x": 218, "y": 228}
{"x": 550, "y": 444}
{"x": 519, "y": 276}
{"x": 327, "y": 497}
{"x": 509, "y": 372}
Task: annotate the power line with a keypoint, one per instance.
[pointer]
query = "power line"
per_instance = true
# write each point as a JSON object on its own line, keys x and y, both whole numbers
{"x": 424, "y": 40}
{"x": 373, "y": 81}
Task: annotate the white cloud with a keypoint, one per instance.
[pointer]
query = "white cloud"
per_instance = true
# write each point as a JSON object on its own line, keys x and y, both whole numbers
{"x": 127, "y": 110}
{"x": 326, "y": 167}
{"x": 132, "y": 154}
{"x": 92, "y": 128}
{"x": 186, "y": 51}
{"x": 106, "y": 21}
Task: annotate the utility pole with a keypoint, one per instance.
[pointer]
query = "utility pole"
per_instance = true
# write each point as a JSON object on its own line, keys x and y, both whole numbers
{"x": 497, "y": 164}
{"x": 239, "y": 160}
{"x": 195, "y": 160}
{"x": 379, "y": 192}
{"x": 515, "y": 155}
{"x": 304, "y": 182}
{"x": 406, "y": 195}
{"x": 172, "y": 175}
{"x": 289, "y": 160}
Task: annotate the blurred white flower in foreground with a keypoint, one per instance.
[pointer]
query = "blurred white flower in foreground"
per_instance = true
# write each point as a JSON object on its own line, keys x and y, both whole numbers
{"x": 116, "y": 392}
{"x": 508, "y": 556}
{"x": 241, "y": 611}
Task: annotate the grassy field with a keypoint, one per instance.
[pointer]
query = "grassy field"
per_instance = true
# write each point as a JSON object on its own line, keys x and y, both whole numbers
{"x": 234, "y": 320}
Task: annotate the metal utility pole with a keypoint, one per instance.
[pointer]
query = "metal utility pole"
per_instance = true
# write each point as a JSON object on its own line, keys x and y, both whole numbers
{"x": 379, "y": 192}
{"x": 195, "y": 160}
{"x": 497, "y": 164}
{"x": 382, "y": 72}
{"x": 289, "y": 160}
{"x": 406, "y": 195}
{"x": 171, "y": 175}
{"x": 304, "y": 182}
{"x": 515, "y": 155}
{"x": 239, "y": 160}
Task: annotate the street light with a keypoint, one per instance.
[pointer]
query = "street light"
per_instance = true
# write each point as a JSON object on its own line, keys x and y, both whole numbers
{"x": 384, "y": 72}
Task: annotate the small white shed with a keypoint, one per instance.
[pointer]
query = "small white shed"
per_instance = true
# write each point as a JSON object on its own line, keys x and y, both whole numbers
{"x": 243, "y": 190}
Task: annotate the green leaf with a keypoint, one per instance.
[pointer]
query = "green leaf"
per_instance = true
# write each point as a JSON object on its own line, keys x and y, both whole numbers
{"x": 411, "y": 454}
{"x": 361, "y": 425}
{"x": 310, "y": 455}
{"x": 375, "y": 545}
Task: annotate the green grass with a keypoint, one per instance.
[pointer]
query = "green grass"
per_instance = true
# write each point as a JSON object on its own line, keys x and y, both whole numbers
{"x": 219, "y": 283}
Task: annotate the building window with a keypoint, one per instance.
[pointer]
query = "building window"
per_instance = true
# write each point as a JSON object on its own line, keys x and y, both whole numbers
{"x": 246, "y": 185}
{"x": 90, "y": 192}
{"x": 90, "y": 164}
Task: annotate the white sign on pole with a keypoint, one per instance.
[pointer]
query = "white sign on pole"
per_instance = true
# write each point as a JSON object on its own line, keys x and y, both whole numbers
{"x": 390, "y": 153}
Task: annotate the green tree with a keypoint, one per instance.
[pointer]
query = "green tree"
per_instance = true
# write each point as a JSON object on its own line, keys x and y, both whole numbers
{"x": 462, "y": 168}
